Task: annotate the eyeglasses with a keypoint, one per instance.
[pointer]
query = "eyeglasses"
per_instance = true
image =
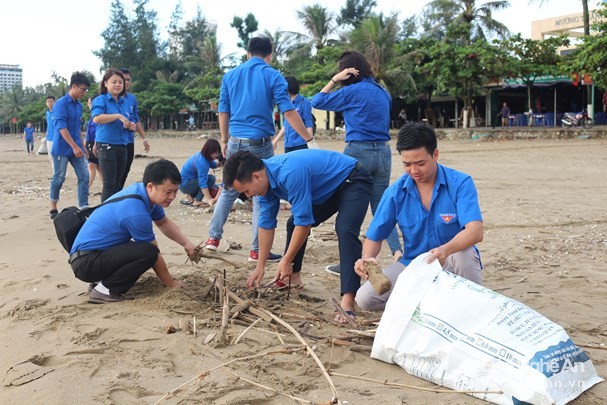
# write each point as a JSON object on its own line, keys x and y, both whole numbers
{"x": 84, "y": 89}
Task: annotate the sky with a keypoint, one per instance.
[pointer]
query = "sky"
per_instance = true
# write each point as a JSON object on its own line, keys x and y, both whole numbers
{"x": 60, "y": 36}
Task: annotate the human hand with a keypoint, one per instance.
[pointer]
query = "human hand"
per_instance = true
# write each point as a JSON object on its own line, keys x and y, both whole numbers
{"x": 177, "y": 284}
{"x": 359, "y": 267}
{"x": 274, "y": 144}
{"x": 346, "y": 74}
{"x": 439, "y": 253}
{"x": 190, "y": 250}
{"x": 255, "y": 278}
{"x": 78, "y": 152}
{"x": 224, "y": 148}
{"x": 285, "y": 269}
{"x": 146, "y": 146}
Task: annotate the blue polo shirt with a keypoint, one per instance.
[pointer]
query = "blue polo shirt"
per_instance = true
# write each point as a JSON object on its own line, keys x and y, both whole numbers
{"x": 304, "y": 109}
{"x": 454, "y": 204}
{"x": 366, "y": 109}
{"x": 197, "y": 167}
{"x": 134, "y": 111}
{"x": 29, "y": 133}
{"x": 50, "y": 127}
{"x": 304, "y": 178}
{"x": 248, "y": 94}
{"x": 117, "y": 223}
{"x": 67, "y": 114}
{"x": 114, "y": 132}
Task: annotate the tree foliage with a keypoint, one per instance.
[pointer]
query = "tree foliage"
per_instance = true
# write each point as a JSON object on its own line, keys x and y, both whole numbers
{"x": 354, "y": 12}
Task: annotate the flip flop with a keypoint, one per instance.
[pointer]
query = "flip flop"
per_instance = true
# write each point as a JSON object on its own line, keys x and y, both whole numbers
{"x": 345, "y": 318}
{"x": 280, "y": 286}
{"x": 185, "y": 202}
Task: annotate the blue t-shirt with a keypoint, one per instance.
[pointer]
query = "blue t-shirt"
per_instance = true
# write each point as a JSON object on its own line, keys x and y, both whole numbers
{"x": 249, "y": 93}
{"x": 117, "y": 223}
{"x": 29, "y": 133}
{"x": 134, "y": 111}
{"x": 366, "y": 109}
{"x": 454, "y": 204}
{"x": 114, "y": 132}
{"x": 50, "y": 126}
{"x": 91, "y": 129}
{"x": 304, "y": 109}
{"x": 67, "y": 114}
{"x": 197, "y": 167}
{"x": 304, "y": 178}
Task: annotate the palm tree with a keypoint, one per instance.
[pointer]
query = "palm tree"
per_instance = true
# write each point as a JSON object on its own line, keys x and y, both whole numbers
{"x": 586, "y": 14}
{"x": 318, "y": 22}
{"x": 479, "y": 17}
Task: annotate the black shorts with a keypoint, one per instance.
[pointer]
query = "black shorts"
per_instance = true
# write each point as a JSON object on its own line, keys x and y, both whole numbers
{"x": 92, "y": 158}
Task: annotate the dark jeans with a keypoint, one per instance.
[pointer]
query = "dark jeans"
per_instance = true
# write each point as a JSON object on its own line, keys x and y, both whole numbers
{"x": 350, "y": 202}
{"x": 30, "y": 146}
{"x": 112, "y": 162}
{"x": 130, "y": 155}
{"x": 118, "y": 267}
{"x": 193, "y": 189}
{"x": 292, "y": 148}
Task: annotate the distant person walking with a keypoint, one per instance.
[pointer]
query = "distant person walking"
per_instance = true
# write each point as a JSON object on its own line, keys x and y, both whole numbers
{"x": 28, "y": 135}
{"x": 505, "y": 114}
{"x": 50, "y": 127}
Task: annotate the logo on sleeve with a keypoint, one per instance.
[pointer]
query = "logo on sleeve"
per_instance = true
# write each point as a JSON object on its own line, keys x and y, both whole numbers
{"x": 447, "y": 218}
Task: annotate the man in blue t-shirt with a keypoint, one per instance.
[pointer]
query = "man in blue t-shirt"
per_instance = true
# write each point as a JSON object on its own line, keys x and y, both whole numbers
{"x": 436, "y": 209}
{"x": 28, "y": 135}
{"x": 318, "y": 184}
{"x": 246, "y": 101}
{"x": 50, "y": 127}
{"x": 116, "y": 244}
{"x": 303, "y": 106}
{"x": 68, "y": 145}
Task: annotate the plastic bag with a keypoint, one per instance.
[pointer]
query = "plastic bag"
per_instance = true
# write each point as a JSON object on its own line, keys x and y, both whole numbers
{"x": 448, "y": 330}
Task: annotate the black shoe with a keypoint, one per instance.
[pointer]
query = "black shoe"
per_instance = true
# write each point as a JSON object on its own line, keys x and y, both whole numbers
{"x": 333, "y": 269}
{"x": 92, "y": 287}
{"x": 95, "y": 297}
{"x": 53, "y": 213}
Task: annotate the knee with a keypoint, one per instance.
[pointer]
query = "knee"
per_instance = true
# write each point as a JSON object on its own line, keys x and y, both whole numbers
{"x": 367, "y": 299}
{"x": 149, "y": 253}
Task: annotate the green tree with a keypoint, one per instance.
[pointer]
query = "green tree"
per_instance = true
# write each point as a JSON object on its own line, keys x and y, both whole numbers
{"x": 354, "y": 12}
{"x": 477, "y": 19}
{"x": 527, "y": 59}
{"x": 319, "y": 24}
{"x": 120, "y": 42}
{"x": 245, "y": 27}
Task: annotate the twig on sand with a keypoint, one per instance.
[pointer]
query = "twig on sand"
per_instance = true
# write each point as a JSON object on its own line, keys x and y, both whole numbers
{"x": 202, "y": 375}
{"x": 308, "y": 348}
{"x": 303, "y": 401}
{"x": 244, "y": 332}
{"x": 447, "y": 391}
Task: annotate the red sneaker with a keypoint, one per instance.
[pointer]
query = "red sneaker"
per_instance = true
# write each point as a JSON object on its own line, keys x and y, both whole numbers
{"x": 272, "y": 257}
{"x": 211, "y": 244}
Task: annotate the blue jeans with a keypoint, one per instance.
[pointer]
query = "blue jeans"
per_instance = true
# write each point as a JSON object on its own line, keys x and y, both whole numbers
{"x": 377, "y": 158}
{"x": 193, "y": 189}
{"x": 82, "y": 173}
{"x": 227, "y": 197}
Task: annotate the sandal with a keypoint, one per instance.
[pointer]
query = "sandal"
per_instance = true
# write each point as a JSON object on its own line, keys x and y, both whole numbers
{"x": 185, "y": 202}
{"x": 345, "y": 317}
{"x": 280, "y": 286}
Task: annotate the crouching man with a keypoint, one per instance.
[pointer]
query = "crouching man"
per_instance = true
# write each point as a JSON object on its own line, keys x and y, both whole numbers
{"x": 117, "y": 244}
{"x": 436, "y": 209}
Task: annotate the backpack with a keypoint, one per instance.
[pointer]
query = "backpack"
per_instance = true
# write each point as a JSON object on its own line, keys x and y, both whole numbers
{"x": 71, "y": 219}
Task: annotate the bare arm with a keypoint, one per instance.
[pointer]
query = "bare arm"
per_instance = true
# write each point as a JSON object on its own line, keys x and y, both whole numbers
{"x": 266, "y": 238}
{"x": 467, "y": 237}
{"x": 141, "y": 132}
{"x": 224, "y": 122}
{"x": 371, "y": 249}
{"x": 172, "y": 231}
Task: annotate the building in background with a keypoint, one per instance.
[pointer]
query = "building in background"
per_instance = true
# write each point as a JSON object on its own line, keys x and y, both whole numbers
{"x": 10, "y": 76}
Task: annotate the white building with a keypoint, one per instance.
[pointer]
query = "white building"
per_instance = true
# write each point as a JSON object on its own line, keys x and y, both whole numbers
{"x": 10, "y": 76}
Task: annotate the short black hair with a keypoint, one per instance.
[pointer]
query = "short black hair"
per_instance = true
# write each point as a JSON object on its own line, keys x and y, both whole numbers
{"x": 79, "y": 78}
{"x": 50, "y": 98}
{"x": 292, "y": 84}
{"x": 159, "y": 171}
{"x": 260, "y": 46}
{"x": 211, "y": 146}
{"x": 125, "y": 70}
{"x": 414, "y": 136}
{"x": 240, "y": 166}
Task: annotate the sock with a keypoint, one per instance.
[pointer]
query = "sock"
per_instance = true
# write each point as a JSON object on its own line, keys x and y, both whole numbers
{"x": 102, "y": 289}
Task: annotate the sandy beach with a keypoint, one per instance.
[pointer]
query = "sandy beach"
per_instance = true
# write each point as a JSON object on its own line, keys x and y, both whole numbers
{"x": 545, "y": 245}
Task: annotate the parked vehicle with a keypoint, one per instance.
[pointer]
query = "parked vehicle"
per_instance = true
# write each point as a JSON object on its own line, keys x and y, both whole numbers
{"x": 580, "y": 119}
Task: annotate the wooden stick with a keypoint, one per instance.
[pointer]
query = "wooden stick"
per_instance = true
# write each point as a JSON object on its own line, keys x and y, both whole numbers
{"x": 309, "y": 349}
{"x": 237, "y": 340}
{"x": 448, "y": 391}
{"x": 205, "y": 373}
{"x": 251, "y": 309}
{"x": 303, "y": 401}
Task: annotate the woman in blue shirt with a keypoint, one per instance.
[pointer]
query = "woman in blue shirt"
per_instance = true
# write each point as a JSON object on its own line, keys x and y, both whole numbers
{"x": 111, "y": 113}
{"x": 196, "y": 182}
{"x": 365, "y": 106}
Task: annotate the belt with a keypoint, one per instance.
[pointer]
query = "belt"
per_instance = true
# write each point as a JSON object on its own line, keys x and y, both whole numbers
{"x": 251, "y": 142}
{"x": 77, "y": 254}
